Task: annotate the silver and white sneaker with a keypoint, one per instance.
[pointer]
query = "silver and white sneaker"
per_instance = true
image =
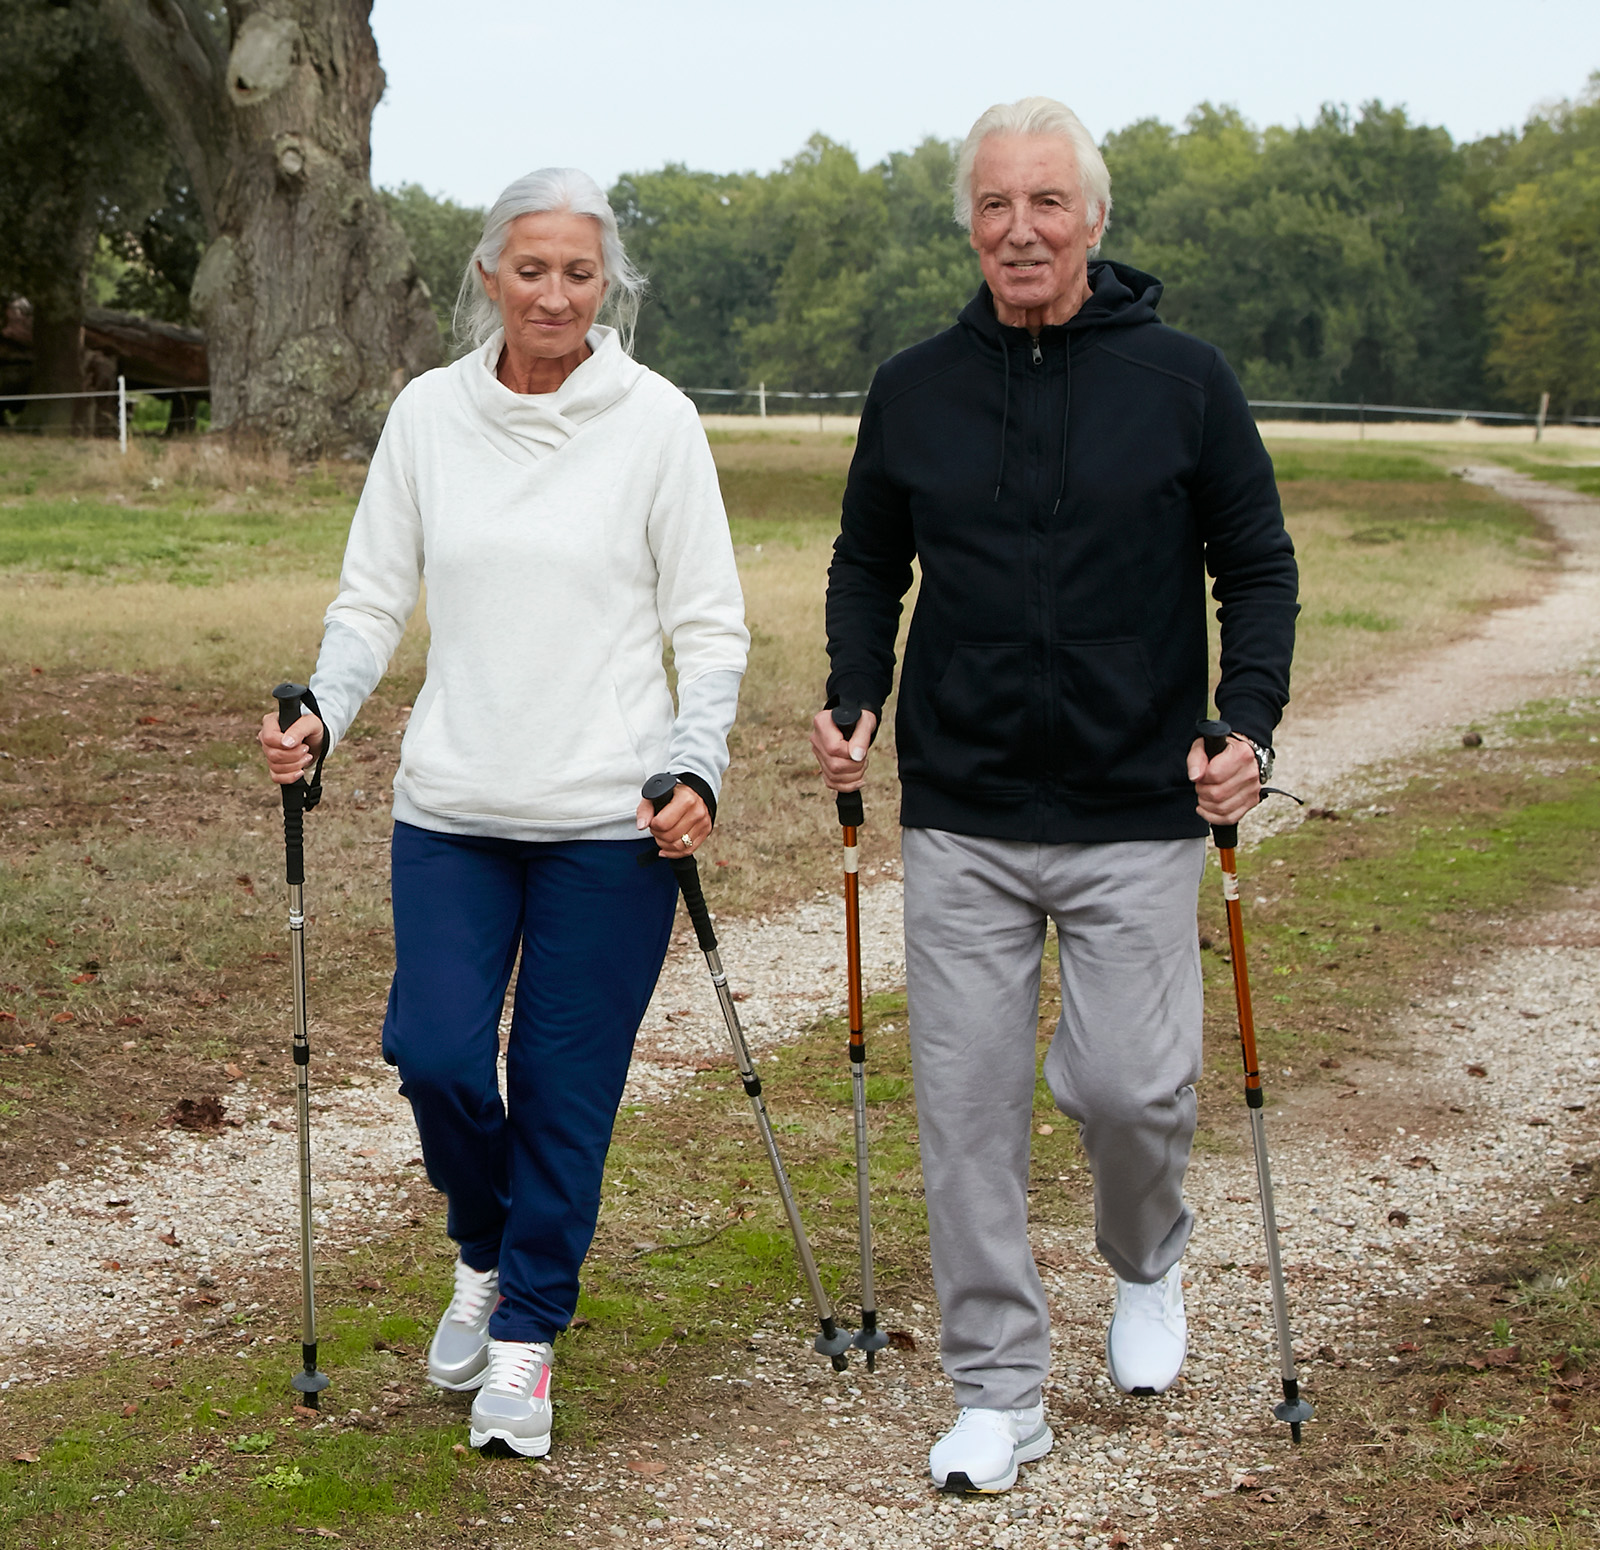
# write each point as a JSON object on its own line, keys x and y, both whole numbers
{"x": 980, "y": 1453}
{"x": 1149, "y": 1334}
{"x": 460, "y": 1349}
{"x": 513, "y": 1406}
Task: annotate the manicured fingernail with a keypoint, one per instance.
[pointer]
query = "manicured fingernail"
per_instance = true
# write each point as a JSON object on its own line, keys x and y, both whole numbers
{"x": 858, "y": 754}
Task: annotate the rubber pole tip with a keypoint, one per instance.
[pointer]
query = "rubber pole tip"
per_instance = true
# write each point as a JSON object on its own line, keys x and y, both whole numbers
{"x": 840, "y": 1363}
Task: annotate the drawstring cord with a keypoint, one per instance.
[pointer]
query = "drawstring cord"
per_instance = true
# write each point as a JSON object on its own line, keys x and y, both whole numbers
{"x": 1005, "y": 419}
{"x": 1066, "y": 422}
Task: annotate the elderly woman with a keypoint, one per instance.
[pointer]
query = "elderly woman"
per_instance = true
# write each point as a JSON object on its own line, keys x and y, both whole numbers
{"x": 562, "y": 505}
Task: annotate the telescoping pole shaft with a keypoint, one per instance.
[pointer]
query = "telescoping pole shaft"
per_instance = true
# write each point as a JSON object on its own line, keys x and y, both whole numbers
{"x": 1294, "y": 1410}
{"x": 852, "y": 815}
{"x": 309, "y": 1382}
{"x": 832, "y": 1341}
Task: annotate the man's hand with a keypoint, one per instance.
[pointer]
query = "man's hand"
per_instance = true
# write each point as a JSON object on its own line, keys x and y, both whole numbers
{"x": 843, "y": 764}
{"x": 290, "y": 754}
{"x": 681, "y": 827}
{"x": 1229, "y": 785}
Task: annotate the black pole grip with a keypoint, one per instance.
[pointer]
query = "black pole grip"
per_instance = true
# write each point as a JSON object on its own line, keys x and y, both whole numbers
{"x": 852, "y": 814}
{"x": 1214, "y": 735}
{"x": 657, "y": 791}
{"x": 288, "y": 697}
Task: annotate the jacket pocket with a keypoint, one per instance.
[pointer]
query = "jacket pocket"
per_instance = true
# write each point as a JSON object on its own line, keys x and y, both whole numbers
{"x": 981, "y": 735}
{"x": 1106, "y": 716}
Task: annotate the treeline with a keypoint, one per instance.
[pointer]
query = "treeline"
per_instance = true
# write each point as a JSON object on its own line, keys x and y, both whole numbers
{"x": 1361, "y": 257}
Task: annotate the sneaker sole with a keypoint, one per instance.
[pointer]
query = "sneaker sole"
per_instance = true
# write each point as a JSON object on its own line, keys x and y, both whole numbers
{"x": 1143, "y": 1391}
{"x": 472, "y": 1383}
{"x": 959, "y": 1483}
{"x": 527, "y": 1447}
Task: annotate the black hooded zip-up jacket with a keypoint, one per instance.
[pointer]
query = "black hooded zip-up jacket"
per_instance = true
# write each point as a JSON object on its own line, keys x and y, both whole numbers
{"x": 1064, "y": 499}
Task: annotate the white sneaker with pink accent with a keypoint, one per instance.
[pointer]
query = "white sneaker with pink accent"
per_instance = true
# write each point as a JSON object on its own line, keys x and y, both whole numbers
{"x": 513, "y": 1406}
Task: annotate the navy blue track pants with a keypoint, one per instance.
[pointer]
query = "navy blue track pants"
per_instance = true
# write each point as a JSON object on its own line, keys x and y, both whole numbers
{"x": 592, "y": 924}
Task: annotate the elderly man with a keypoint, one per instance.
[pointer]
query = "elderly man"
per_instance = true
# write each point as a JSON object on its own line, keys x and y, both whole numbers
{"x": 1064, "y": 468}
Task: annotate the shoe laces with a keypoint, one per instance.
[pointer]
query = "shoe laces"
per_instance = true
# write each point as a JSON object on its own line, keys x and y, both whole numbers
{"x": 976, "y": 1418}
{"x": 514, "y": 1365}
{"x": 475, "y": 1289}
{"x": 1150, "y": 1300}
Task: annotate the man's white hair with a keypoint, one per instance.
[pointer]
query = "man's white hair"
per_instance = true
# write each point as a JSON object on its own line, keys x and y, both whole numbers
{"x": 1036, "y": 116}
{"x": 550, "y": 188}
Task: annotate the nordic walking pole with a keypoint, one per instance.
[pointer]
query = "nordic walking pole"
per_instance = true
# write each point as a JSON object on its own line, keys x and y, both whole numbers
{"x": 852, "y": 815}
{"x": 833, "y": 1341}
{"x": 298, "y": 800}
{"x": 1294, "y": 1410}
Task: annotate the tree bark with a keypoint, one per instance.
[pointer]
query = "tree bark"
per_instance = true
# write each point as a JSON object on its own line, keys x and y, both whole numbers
{"x": 314, "y": 311}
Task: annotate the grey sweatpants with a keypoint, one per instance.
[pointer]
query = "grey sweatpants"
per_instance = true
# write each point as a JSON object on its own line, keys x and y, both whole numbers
{"x": 1122, "y": 1063}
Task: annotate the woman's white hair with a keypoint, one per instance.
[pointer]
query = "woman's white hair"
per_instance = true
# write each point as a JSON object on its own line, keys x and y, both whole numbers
{"x": 1036, "y": 116}
{"x": 550, "y": 188}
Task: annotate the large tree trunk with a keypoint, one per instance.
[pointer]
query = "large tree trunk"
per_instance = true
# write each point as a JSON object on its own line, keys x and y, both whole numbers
{"x": 314, "y": 310}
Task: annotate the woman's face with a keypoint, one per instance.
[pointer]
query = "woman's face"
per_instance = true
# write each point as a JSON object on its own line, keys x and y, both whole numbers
{"x": 549, "y": 282}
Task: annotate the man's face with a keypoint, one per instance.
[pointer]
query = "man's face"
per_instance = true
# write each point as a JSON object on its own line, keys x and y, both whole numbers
{"x": 1029, "y": 227}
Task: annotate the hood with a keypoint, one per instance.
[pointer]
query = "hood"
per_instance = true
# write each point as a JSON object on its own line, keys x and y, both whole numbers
{"x": 1119, "y": 296}
{"x": 527, "y": 427}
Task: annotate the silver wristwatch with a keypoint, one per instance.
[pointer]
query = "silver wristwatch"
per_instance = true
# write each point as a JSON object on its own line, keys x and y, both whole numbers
{"x": 1264, "y": 756}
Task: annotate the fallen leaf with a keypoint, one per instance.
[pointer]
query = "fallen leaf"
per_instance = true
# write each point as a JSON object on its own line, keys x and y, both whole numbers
{"x": 84, "y": 979}
{"x": 1476, "y": 1071}
{"x": 366, "y": 1151}
{"x": 113, "y": 1204}
{"x": 8, "y": 1017}
{"x": 111, "y": 1264}
{"x": 902, "y": 1340}
{"x": 1398, "y": 1218}
{"x": 129, "y": 1021}
{"x": 648, "y": 1466}
{"x": 24, "y": 1458}
{"x": 63, "y": 1017}
{"x": 197, "y": 1114}
{"x": 227, "y": 1415}
{"x": 1535, "y": 1119}
{"x": 459, "y": 1449}
{"x": 370, "y": 1285}
{"x": 161, "y": 1383}
{"x": 1504, "y": 1356}
{"x": 232, "y": 1072}
{"x": 1419, "y": 1161}
{"x": 145, "y": 721}
{"x": 129, "y": 1411}
{"x": 170, "y": 1239}
{"x": 1247, "y": 1483}
{"x": 306, "y": 1412}
{"x": 1406, "y": 1345}
{"x": 1330, "y": 1065}
{"x": 319, "y": 1533}
{"x": 1047, "y": 1130}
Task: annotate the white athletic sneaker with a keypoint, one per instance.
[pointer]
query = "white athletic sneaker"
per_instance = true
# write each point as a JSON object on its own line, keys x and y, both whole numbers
{"x": 460, "y": 1349}
{"x": 982, "y": 1450}
{"x": 1149, "y": 1335}
{"x": 514, "y": 1403}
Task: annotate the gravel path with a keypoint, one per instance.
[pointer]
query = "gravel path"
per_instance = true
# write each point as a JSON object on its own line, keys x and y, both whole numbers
{"x": 143, "y": 1245}
{"x": 1520, "y": 654}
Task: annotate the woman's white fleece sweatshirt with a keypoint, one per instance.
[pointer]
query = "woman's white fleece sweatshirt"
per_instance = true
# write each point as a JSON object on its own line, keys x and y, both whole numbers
{"x": 561, "y": 537}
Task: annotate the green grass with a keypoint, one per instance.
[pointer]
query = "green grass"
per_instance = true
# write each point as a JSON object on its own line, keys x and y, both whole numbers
{"x": 191, "y": 546}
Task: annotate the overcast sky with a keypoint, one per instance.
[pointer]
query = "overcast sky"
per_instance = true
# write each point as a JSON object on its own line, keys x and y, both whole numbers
{"x": 484, "y": 90}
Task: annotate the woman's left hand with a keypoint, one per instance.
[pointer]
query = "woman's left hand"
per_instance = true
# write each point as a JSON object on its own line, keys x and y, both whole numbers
{"x": 681, "y": 827}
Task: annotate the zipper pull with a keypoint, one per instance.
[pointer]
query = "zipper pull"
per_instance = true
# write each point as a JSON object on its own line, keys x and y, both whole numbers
{"x": 1038, "y": 354}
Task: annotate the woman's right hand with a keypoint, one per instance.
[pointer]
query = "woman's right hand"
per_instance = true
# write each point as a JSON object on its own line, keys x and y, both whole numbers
{"x": 290, "y": 754}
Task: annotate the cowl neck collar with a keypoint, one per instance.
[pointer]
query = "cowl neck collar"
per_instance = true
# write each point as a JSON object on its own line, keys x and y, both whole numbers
{"x": 528, "y": 427}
